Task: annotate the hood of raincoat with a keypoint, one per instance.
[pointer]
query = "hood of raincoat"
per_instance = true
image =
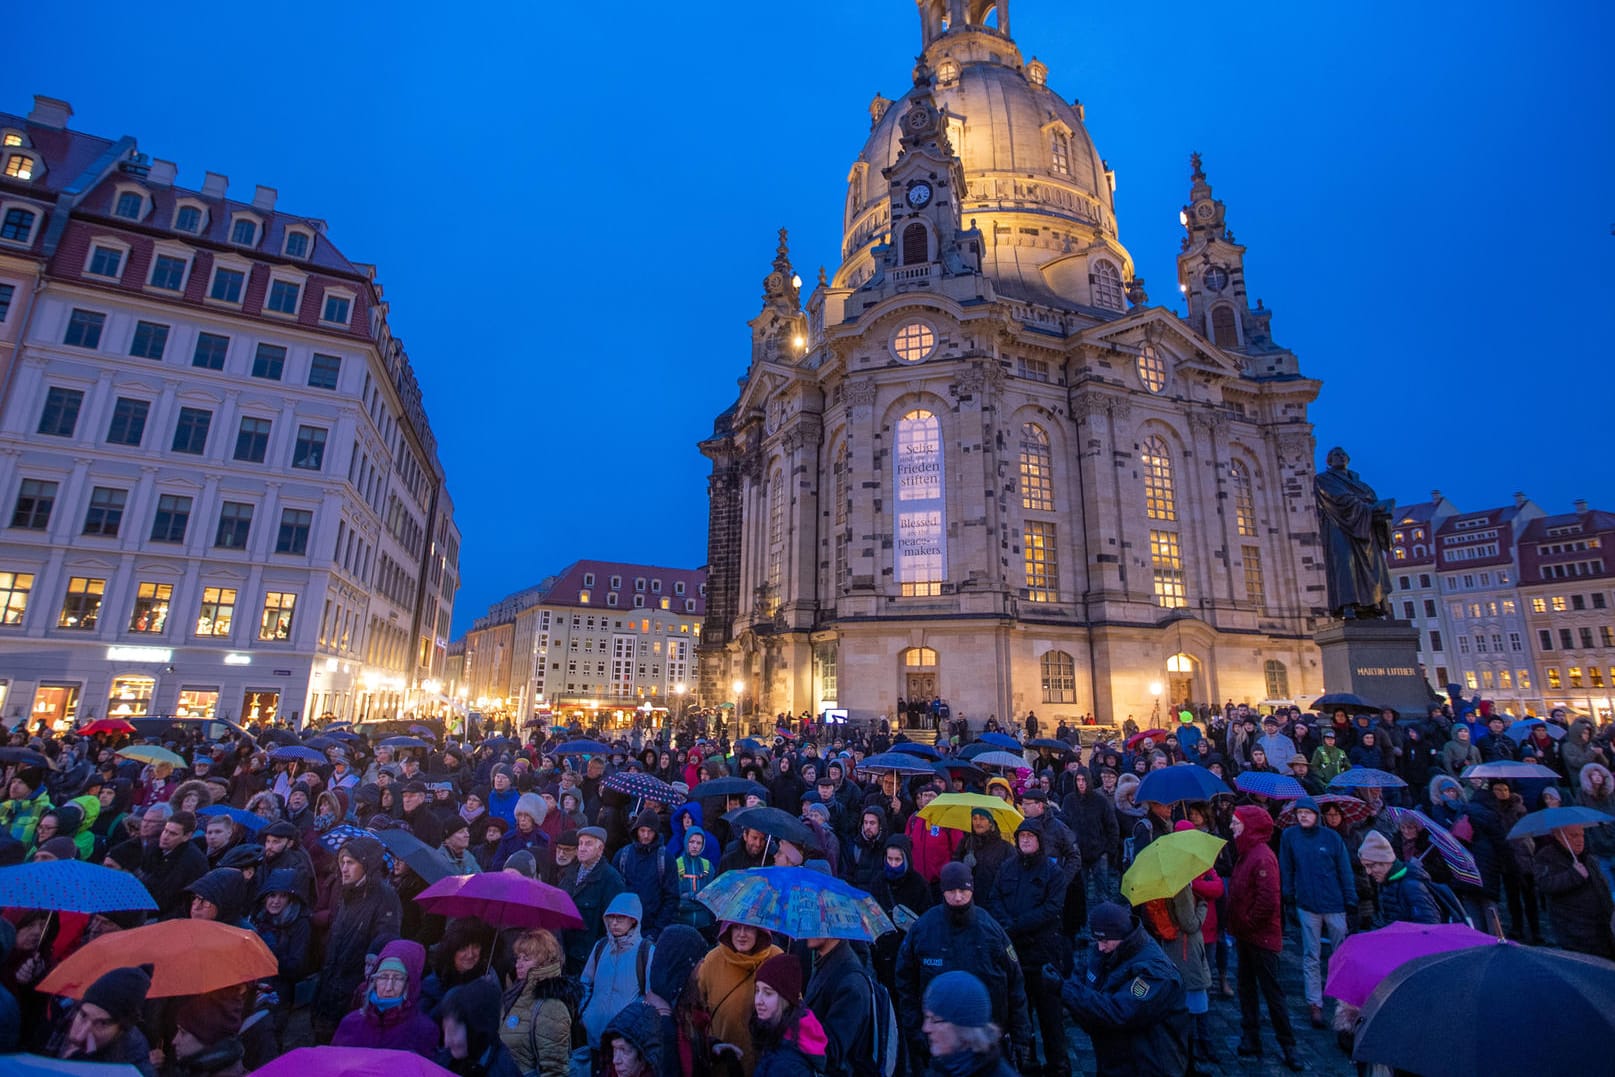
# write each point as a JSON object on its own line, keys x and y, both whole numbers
{"x": 1258, "y": 827}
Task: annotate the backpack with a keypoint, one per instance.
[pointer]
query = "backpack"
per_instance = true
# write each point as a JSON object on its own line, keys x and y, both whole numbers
{"x": 1451, "y": 909}
{"x": 886, "y": 1044}
{"x": 641, "y": 959}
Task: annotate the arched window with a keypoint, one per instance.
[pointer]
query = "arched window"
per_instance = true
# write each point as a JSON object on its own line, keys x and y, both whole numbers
{"x": 916, "y": 245}
{"x": 1037, "y": 470}
{"x": 1106, "y": 284}
{"x": 1059, "y": 673}
{"x": 776, "y": 531}
{"x": 1244, "y": 502}
{"x": 1151, "y": 368}
{"x": 840, "y": 471}
{"x": 919, "y": 658}
{"x": 921, "y": 533}
{"x": 1060, "y": 152}
{"x": 1223, "y": 333}
{"x": 1159, "y": 501}
{"x": 1278, "y": 679}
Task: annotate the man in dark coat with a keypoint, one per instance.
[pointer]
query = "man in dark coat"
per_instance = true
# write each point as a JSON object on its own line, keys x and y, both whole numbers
{"x": 283, "y": 853}
{"x": 1579, "y": 903}
{"x": 1092, "y": 818}
{"x": 367, "y": 913}
{"x": 173, "y": 865}
{"x": 649, "y": 871}
{"x": 423, "y": 822}
{"x": 840, "y": 994}
{"x": 1027, "y": 897}
{"x": 594, "y": 885}
{"x": 1129, "y": 1000}
{"x": 863, "y": 856}
{"x": 1404, "y": 888}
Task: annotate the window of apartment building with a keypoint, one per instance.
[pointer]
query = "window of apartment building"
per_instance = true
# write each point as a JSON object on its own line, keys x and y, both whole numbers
{"x": 35, "y": 499}
{"x": 227, "y": 285}
{"x": 1573, "y": 676}
{"x": 324, "y": 370}
{"x": 1435, "y": 641}
{"x": 128, "y": 425}
{"x": 15, "y": 587}
{"x": 1463, "y": 644}
{"x": 1586, "y": 634}
{"x": 252, "y": 439}
{"x": 151, "y": 608}
{"x": 7, "y": 292}
{"x": 168, "y": 273}
{"x": 296, "y": 244}
{"x": 1554, "y": 681}
{"x": 105, "y": 514}
{"x": 1558, "y": 603}
{"x": 81, "y": 605}
{"x": 1598, "y": 596}
{"x": 1515, "y": 643}
{"x": 188, "y": 219}
{"x": 190, "y": 430}
{"x": 276, "y": 623}
{"x": 18, "y": 224}
{"x": 130, "y": 205}
{"x": 211, "y": 348}
{"x": 1578, "y": 602}
{"x": 1606, "y": 635}
{"x": 150, "y": 340}
{"x": 218, "y": 611}
{"x": 1429, "y": 607}
{"x": 172, "y": 518}
{"x": 1566, "y": 640}
{"x": 84, "y": 328}
{"x": 294, "y": 529}
{"x": 61, "y": 413}
{"x": 283, "y": 295}
{"x": 269, "y": 361}
{"x": 1544, "y": 639}
{"x": 337, "y": 309}
{"x": 105, "y": 261}
{"x": 244, "y": 231}
{"x": 309, "y": 452}
{"x": 235, "y": 523}
{"x": 1407, "y": 610}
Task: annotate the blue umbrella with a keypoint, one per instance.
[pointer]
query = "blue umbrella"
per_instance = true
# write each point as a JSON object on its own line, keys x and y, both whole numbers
{"x": 71, "y": 886}
{"x": 404, "y": 742}
{"x": 970, "y": 751}
{"x": 1518, "y": 731}
{"x": 297, "y": 753}
{"x": 798, "y": 902}
{"x": 1538, "y": 823}
{"x": 1182, "y": 781}
{"x": 1001, "y": 740}
{"x": 323, "y": 742}
{"x": 582, "y": 747}
{"x": 251, "y": 821}
{"x": 40, "y": 1066}
{"x": 901, "y": 762}
{"x": 1267, "y": 784}
{"x": 343, "y": 734}
{"x": 426, "y": 861}
{"x": 1366, "y": 778}
{"x": 924, "y": 751}
{"x": 644, "y": 786}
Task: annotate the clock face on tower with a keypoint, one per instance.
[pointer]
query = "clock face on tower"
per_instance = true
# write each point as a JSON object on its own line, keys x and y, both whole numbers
{"x": 1203, "y": 210}
{"x": 919, "y": 194}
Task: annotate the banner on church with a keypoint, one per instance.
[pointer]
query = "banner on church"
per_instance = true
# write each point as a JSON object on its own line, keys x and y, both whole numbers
{"x": 921, "y": 525}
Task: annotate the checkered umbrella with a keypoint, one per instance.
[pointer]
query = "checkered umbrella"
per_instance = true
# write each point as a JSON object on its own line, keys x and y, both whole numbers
{"x": 1267, "y": 784}
{"x": 645, "y": 787}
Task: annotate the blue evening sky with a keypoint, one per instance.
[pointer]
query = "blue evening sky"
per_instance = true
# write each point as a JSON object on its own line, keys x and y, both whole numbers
{"x": 573, "y": 205}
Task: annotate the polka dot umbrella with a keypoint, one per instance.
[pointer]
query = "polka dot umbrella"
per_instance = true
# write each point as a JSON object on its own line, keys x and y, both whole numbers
{"x": 71, "y": 886}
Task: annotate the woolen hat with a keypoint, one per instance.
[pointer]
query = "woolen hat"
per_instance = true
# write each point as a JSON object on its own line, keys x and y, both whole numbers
{"x": 596, "y": 832}
{"x": 648, "y": 819}
{"x": 958, "y": 998}
{"x": 1111, "y": 920}
{"x": 523, "y": 862}
{"x": 1035, "y": 794}
{"x": 1376, "y": 850}
{"x": 957, "y": 876}
{"x": 782, "y": 972}
{"x": 453, "y": 824}
{"x": 567, "y": 840}
{"x": 1307, "y": 804}
{"x": 533, "y": 805}
{"x": 279, "y": 829}
{"x": 61, "y": 847}
{"x": 121, "y": 993}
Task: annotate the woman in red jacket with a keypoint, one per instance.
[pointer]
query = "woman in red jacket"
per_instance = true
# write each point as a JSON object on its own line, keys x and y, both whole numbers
{"x": 1256, "y": 920}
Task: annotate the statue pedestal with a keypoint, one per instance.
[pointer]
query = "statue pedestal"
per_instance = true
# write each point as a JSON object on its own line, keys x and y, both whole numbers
{"x": 1377, "y": 660}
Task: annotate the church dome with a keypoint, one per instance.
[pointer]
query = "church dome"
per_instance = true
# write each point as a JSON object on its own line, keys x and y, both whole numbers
{"x": 1036, "y": 186}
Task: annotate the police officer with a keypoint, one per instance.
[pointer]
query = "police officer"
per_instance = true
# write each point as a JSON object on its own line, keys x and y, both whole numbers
{"x": 1129, "y": 1000}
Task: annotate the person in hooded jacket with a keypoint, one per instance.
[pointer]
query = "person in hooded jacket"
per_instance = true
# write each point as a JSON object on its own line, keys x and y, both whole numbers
{"x": 651, "y": 872}
{"x": 693, "y": 870}
{"x": 207, "y": 1040}
{"x": 614, "y": 974}
{"x": 790, "y": 1040}
{"x": 469, "y": 1017}
{"x": 863, "y": 854}
{"x": 631, "y": 1045}
{"x": 460, "y": 957}
{"x": 897, "y": 885}
{"x": 1092, "y": 818}
{"x": 983, "y": 849}
{"x": 223, "y": 895}
{"x": 105, "y": 1026}
{"x": 1578, "y": 749}
{"x": 1256, "y": 921}
{"x": 1404, "y": 891}
{"x": 367, "y": 910}
{"x": 391, "y": 1016}
{"x": 281, "y": 919}
{"x": 724, "y": 981}
{"x": 1129, "y": 1000}
{"x": 1027, "y": 899}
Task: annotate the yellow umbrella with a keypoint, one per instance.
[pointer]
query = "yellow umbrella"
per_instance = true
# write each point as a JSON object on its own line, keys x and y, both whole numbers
{"x": 150, "y": 753}
{"x": 1169, "y": 863}
{"x": 953, "y": 810}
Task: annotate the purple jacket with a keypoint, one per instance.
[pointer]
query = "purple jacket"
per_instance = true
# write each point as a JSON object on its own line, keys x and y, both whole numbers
{"x": 402, "y": 1028}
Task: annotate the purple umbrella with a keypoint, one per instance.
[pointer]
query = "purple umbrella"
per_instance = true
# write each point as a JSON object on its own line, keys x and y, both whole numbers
{"x": 502, "y": 899}
{"x": 1365, "y": 959}
{"x": 1459, "y": 859}
{"x": 350, "y": 1062}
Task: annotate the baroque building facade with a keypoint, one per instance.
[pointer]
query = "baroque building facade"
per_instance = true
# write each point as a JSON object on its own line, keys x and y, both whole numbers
{"x": 980, "y": 464}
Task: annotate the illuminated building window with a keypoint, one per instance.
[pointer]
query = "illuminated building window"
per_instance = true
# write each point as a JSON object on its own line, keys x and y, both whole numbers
{"x": 151, "y": 608}
{"x": 1166, "y": 560}
{"x": 1037, "y": 465}
{"x": 15, "y": 587}
{"x": 920, "y": 528}
{"x": 914, "y": 342}
{"x": 276, "y": 622}
{"x": 777, "y": 496}
{"x": 1042, "y": 562}
{"x": 1159, "y": 502}
{"x": 81, "y": 606}
{"x": 217, "y": 612}
{"x": 1255, "y": 593}
{"x": 1278, "y": 679}
{"x": 20, "y": 166}
{"x": 1244, "y": 502}
{"x": 1059, "y": 676}
{"x": 1553, "y": 679}
{"x": 1151, "y": 369}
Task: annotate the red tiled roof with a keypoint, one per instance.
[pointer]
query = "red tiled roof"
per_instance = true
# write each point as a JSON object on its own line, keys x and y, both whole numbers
{"x": 568, "y": 585}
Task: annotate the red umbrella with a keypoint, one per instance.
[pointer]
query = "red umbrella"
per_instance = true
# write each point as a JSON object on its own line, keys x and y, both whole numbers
{"x": 190, "y": 957}
{"x": 1354, "y": 810}
{"x": 1154, "y": 734}
{"x": 106, "y": 725}
{"x": 502, "y": 899}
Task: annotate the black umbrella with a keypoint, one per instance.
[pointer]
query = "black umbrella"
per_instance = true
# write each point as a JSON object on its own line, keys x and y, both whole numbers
{"x": 26, "y": 756}
{"x": 773, "y": 822}
{"x": 426, "y": 861}
{"x": 924, "y": 751}
{"x": 1523, "y": 1009}
{"x": 1343, "y": 701}
{"x": 961, "y": 768}
{"x": 727, "y": 787}
{"x": 1052, "y": 745}
{"x": 277, "y": 736}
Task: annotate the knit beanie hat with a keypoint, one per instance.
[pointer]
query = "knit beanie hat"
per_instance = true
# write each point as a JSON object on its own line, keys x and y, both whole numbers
{"x": 782, "y": 972}
{"x": 648, "y": 818}
{"x": 522, "y": 862}
{"x": 1307, "y": 804}
{"x": 957, "y": 876}
{"x": 1111, "y": 920}
{"x": 453, "y": 824}
{"x": 61, "y": 847}
{"x": 1376, "y": 850}
{"x": 958, "y": 998}
{"x": 121, "y": 993}
{"x": 211, "y": 1018}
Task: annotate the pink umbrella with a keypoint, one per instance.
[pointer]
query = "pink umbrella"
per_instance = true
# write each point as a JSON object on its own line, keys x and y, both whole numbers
{"x": 1365, "y": 959}
{"x": 350, "y": 1062}
{"x": 502, "y": 899}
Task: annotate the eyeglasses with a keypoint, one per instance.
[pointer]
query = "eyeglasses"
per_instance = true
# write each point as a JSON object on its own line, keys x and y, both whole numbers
{"x": 390, "y": 978}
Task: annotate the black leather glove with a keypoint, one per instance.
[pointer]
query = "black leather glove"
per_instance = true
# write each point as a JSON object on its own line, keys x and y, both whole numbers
{"x": 1051, "y": 974}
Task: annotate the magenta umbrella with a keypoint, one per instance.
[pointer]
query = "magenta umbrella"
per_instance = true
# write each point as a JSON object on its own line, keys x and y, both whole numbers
{"x": 350, "y": 1062}
{"x": 1365, "y": 959}
{"x": 502, "y": 899}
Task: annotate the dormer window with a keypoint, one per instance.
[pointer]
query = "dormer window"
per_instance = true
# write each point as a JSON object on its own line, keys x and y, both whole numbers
{"x": 105, "y": 261}
{"x": 338, "y": 308}
{"x": 130, "y": 205}
{"x": 297, "y": 244}
{"x": 17, "y": 225}
{"x": 283, "y": 296}
{"x": 188, "y": 219}
{"x": 244, "y": 231}
{"x": 20, "y": 166}
{"x": 12, "y": 139}
{"x": 1060, "y": 152}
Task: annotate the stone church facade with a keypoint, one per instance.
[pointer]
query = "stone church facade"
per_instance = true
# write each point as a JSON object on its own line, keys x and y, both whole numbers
{"x": 980, "y": 464}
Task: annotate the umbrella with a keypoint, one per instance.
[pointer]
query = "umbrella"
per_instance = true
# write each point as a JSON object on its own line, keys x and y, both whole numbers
{"x": 424, "y": 730}
{"x": 149, "y": 753}
{"x": 747, "y": 744}
{"x": 1011, "y": 760}
{"x": 404, "y": 742}
{"x": 106, "y": 725}
{"x": 1458, "y": 858}
{"x": 345, "y": 735}
{"x": 900, "y": 762}
{"x": 799, "y": 902}
{"x": 1540, "y": 823}
{"x": 1523, "y": 728}
{"x": 40, "y": 1066}
{"x": 1154, "y": 734}
{"x": 324, "y": 741}
{"x": 424, "y": 860}
{"x": 970, "y": 751}
{"x": 727, "y": 787}
{"x": 953, "y": 810}
{"x": 583, "y": 747}
{"x": 1510, "y": 770}
{"x": 774, "y": 822}
{"x": 1267, "y": 784}
{"x": 924, "y": 751}
{"x": 26, "y": 756}
{"x": 350, "y": 1062}
{"x": 1343, "y": 701}
{"x": 71, "y": 886}
{"x": 1169, "y": 863}
{"x": 297, "y": 753}
{"x": 1365, "y": 959}
{"x": 1566, "y": 1002}
{"x": 1052, "y": 744}
{"x": 1366, "y": 778}
{"x": 339, "y": 835}
{"x": 1001, "y": 740}
{"x": 191, "y": 957}
{"x": 1353, "y": 809}
{"x": 278, "y": 736}
{"x": 644, "y": 786}
{"x": 502, "y": 899}
{"x": 960, "y": 768}
{"x": 252, "y": 821}
{"x": 1182, "y": 781}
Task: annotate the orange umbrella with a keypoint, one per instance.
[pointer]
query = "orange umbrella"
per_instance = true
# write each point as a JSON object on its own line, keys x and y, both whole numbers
{"x": 189, "y": 957}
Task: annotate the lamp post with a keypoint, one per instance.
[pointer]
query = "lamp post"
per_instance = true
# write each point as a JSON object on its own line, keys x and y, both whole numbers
{"x": 1156, "y": 688}
{"x": 739, "y": 687}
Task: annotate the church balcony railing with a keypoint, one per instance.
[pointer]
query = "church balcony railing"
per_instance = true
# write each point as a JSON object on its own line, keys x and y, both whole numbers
{"x": 910, "y": 274}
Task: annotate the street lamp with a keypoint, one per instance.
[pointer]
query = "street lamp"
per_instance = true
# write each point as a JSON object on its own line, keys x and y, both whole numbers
{"x": 1156, "y": 688}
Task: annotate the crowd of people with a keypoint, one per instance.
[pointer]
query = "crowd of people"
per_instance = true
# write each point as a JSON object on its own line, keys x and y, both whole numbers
{"x": 1009, "y": 941}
